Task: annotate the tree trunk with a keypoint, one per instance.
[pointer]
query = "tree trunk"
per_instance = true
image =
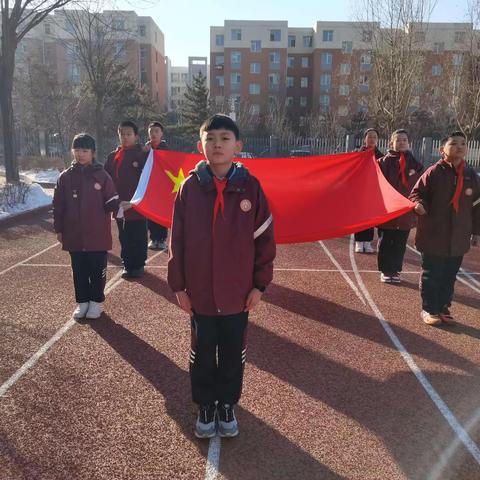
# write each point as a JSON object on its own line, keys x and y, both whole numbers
{"x": 99, "y": 129}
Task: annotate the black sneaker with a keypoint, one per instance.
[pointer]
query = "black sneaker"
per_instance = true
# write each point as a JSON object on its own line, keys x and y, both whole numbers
{"x": 125, "y": 273}
{"x": 227, "y": 422}
{"x": 136, "y": 272}
{"x": 205, "y": 425}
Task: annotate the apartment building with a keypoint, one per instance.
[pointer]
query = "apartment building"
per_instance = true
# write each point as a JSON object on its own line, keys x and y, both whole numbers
{"x": 137, "y": 41}
{"x": 326, "y": 68}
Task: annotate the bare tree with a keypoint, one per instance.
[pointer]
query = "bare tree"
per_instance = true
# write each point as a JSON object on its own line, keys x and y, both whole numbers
{"x": 18, "y": 17}
{"x": 395, "y": 33}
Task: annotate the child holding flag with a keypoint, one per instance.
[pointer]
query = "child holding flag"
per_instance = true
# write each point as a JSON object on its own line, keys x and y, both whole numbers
{"x": 221, "y": 261}
{"x": 402, "y": 171}
{"x": 125, "y": 166}
{"x": 447, "y": 198}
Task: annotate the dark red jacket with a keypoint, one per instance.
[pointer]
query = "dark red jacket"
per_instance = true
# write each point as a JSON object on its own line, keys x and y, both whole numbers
{"x": 219, "y": 270}
{"x": 390, "y": 167}
{"x": 378, "y": 153}
{"x": 443, "y": 231}
{"x": 83, "y": 200}
{"x": 128, "y": 174}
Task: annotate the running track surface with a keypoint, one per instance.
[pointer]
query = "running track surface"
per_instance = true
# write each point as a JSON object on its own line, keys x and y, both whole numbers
{"x": 327, "y": 394}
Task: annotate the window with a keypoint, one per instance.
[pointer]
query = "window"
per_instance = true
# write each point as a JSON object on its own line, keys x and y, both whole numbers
{"x": 289, "y": 102}
{"x": 326, "y": 60}
{"x": 274, "y": 81}
{"x": 274, "y": 58}
{"x": 304, "y": 82}
{"x": 255, "y": 67}
{"x": 364, "y": 87}
{"x": 345, "y": 68}
{"x": 436, "y": 70}
{"x": 291, "y": 41}
{"x": 303, "y": 101}
{"x": 290, "y": 81}
{"x": 307, "y": 41}
{"x": 275, "y": 35}
{"x": 290, "y": 62}
{"x": 219, "y": 40}
{"x": 459, "y": 37}
{"x": 438, "y": 47}
{"x": 344, "y": 90}
{"x": 235, "y": 79}
{"x": 47, "y": 28}
{"x": 327, "y": 36}
{"x": 74, "y": 74}
{"x": 219, "y": 60}
{"x": 365, "y": 59}
{"x": 347, "y": 47}
{"x": 457, "y": 59}
{"x": 256, "y": 46}
{"x": 220, "y": 81}
{"x": 236, "y": 34}
{"x": 325, "y": 82}
{"x": 118, "y": 24}
{"x": 254, "y": 89}
{"x": 367, "y": 36}
{"x": 342, "y": 111}
{"x": 305, "y": 62}
{"x": 324, "y": 101}
{"x": 120, "y": 50}
{"x": 235, "y": 59}
{"x": 142, "y": 30}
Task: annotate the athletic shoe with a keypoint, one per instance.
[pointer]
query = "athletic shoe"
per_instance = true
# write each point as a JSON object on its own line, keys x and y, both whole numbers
{"x": 396, "y": 278}
{"x": 358, "y": 247}
{"x": 430, "y": 319}
{"x": 227, "y": 422}
{"x": 162, "y": 245}
{"x": 125, "y": 273}
{"x": 446, "y": 316}
{"x": 367, "y": 247}
{"x": 95, "y": 309}
{"x": 152, "y": 245}
{"x": 136, "y": 272}
{"x": 81, "y": 310}
{"x": 205, "y": 425}
{"x": 385, "y": 278}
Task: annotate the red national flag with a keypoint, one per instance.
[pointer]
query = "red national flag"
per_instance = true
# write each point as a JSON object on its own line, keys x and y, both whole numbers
{"x": 311, "y": 198}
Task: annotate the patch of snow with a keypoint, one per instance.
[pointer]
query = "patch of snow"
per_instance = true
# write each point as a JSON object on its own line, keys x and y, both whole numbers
{"x": 36, "y": 197}
{"x": 48, "y": 176}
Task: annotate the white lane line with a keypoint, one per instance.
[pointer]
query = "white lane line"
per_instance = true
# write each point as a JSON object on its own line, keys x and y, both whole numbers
{"x": 213, "y": 458}
{"x": 456, "y": 426}
{"x": 113, "y": 282}
{"x": 459, "y": 278}
{"x": 29, "y": 258}
{"x": 66, "y": 265}
{"x": 342, "y": 272}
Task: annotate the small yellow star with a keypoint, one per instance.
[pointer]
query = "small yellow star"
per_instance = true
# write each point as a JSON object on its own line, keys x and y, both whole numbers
{"x": 177, "y": 180}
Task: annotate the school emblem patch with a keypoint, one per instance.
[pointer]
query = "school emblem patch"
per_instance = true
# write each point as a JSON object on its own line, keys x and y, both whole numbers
{"x": 468, "y": 192}
{"x": 135, "y": 164}
{"x": 411, "y": 172}
{"x": 245, "y": 205}
{"x": 97, "y": 186}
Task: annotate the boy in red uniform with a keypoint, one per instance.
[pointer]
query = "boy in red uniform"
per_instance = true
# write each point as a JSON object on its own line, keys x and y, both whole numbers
{"x": 125, "y": 167}
{"x": 83, "y": 201}
{"x": 221, "y": 260}
{"x": 447, "y": 198}
{"x": 402, "y": 171}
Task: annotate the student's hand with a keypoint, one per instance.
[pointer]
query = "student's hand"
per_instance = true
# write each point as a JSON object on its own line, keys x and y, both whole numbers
{"x": 125, "y": 205}
{"x": 184, "y": 302}
{"x": 59, "y": 237}
{"x": 253, "y": 299}
{"x": 475, "y": 240}
{"x": 147, "y": 147}
{"x": 420, "y": 209}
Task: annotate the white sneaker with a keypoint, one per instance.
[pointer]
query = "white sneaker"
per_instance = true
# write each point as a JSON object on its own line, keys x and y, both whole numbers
{"x": 94, "y": 310}
{"x": 358, "y": 247}
{"x": 81, "y": 310}
{"x": 367, "y": 247}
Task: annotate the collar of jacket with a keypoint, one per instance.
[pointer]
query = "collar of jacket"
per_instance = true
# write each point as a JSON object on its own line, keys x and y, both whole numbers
{"x": 92, "y": 167}
{"x": 205, "y": 177}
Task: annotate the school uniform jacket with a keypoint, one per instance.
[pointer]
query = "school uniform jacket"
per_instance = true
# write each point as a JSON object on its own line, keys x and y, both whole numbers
{"x": 127, "y": 175}
{"x": 390, "y": 167}
{"x": 83, "y": 200}
{"x": 443, "y": 231}
{"x": 219, "y": 268}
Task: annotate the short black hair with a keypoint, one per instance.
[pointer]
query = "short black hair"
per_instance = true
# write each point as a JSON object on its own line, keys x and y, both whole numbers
{"x": 456, "y": 133}
{"x": 128, "y": 123}
{"x": 220, "y": 121}
{"x": 396, "y": 132}
{"x": 83, "y": 141}
{"x": 155, "y": 123}
{"x": 368, "y": 130}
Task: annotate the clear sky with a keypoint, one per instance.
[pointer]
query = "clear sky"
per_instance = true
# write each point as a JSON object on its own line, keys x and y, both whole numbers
{"x": 186, "y": 23}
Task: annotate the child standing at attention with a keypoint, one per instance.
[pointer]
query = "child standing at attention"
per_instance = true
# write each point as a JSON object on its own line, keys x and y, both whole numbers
{"x": 221, "y": 261}
{"x": 447, "y": 201}
{"x": 83, "y": 201}
{"x": 402, "y": 171}
{"x": 125, "y": 167}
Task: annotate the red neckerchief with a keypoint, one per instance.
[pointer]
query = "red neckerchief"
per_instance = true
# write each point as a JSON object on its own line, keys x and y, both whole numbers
{"x": 458, "y": 189}
{"x": 403, "y": 168}
{"x": 118, "y": 159}
{"x": 219, "y": 200}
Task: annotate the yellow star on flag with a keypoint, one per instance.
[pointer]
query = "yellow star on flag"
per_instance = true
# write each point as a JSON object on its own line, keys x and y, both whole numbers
{"x": 177, "y": 180}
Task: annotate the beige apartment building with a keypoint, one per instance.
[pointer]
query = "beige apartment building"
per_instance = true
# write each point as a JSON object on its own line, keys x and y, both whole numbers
{"x": 138, "y": 41}
{"x": 326, "y": 68}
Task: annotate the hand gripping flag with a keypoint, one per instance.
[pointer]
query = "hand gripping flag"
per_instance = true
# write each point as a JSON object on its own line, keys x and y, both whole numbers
{"x": 311, "y": 198}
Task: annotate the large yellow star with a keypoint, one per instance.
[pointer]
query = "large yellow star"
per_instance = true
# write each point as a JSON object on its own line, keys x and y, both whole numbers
{"x": 177, "y": 180}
